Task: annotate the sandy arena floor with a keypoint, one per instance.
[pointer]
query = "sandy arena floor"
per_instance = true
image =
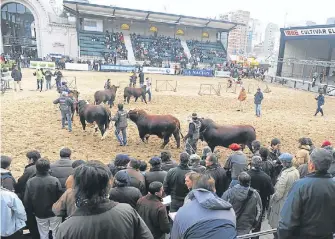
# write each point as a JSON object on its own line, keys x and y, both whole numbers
{"x": 29, "y": 120}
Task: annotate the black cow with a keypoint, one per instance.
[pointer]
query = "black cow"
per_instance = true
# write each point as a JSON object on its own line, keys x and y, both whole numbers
{"x": 225, "y": 135}
{"x": 161, "y": 125}
{"x": 94, "y": 114}
{"x": 105, "y": 96}
{"x": 136, "y": 92}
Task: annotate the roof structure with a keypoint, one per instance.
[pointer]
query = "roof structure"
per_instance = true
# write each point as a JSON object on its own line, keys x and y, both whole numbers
{"x": 142, "y": 15}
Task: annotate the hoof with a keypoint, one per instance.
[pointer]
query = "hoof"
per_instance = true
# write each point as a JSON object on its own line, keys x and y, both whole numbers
{"x": 162, "y": 147}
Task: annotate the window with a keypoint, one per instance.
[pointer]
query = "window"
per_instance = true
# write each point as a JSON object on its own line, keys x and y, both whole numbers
{"x": 88, "y": 23}
{"x": 21, "y": 8}
{"x": 12, "y": 7}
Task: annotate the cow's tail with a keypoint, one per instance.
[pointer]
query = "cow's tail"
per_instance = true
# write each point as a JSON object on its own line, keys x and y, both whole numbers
{"x": 107, "y": 119}
{"x": 179, "y": 129}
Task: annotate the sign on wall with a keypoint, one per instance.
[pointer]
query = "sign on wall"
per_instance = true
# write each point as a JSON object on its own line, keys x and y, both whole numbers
{"x": 180, "y": 32}
{"x": 125, "y": 26}
{"x": 153, "y": 29}
{"x": 42, "y": 65}
{"x": 205, "y": 35}
{"x": 323, "y": 31}
{"x": 93, "y": 25}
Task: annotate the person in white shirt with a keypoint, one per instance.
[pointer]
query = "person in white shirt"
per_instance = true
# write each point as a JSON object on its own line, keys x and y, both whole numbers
{"x": 148, "y": 85}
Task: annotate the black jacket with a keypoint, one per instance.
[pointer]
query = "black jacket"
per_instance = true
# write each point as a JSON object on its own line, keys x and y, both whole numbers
{"x": 62, "y": 169}
{"x": 16, "y": 75}
{"x": 128, "y": 195}
{"x": 268, "y": 168}
{"x": 155, "y": 174}
{"x": 42, "y": 191}
{"x": 29, "y": 172}
{"x": 308, "y": 212}
{"x": 154, "y": 214}
{"x": 198, "y": 168}
{"x": 167, "y": 165}
{"x": 174, "y": 183}
{"x": 7, "y": 180}
{"x": 262, "y": 183}
{"x": 220, "y": 177}
{"x": 107, "y": 220}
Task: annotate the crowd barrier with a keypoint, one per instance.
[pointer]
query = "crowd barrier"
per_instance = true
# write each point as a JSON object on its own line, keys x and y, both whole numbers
{"x": 196, "y": 72}
{"x": 158, "y": 70}
{"x": 225, "y": 74}
{"x": 76, "y": 66}
{"x": 42, "y": 65}
{"x": 122, "y": 68}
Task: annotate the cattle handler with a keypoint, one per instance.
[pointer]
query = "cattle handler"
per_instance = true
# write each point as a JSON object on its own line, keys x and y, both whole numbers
{"x": 121, "y": 125}
{"x": 65, "y": 105}
{"x": 191, "y": 139}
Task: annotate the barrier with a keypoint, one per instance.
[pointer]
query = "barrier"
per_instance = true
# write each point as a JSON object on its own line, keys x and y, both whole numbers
{"x": 166, "y": 85}
{"x": 117, "y": 68}
{"x": 208, "y": 89}
{"x": 229, "y": 88}
{"x": 71, "y": 81}
{"x": 158, "y": 70}
{"x": 225, "y": 74}
{"x": 195, "y": 72}
{"x": 76, "y": 66}
{"x": 42, "y": 65}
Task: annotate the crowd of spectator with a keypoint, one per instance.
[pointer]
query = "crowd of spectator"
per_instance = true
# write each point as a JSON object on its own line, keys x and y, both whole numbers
{"x": 157, "y": 49}
{"x": 87, "y": 199}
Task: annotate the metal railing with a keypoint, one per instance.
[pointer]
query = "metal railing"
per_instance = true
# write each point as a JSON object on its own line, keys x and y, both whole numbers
{"x": 261, "y": 233}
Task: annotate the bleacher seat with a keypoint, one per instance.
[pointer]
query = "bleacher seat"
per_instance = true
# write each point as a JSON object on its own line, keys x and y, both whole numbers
{"x": 208, "y": 52}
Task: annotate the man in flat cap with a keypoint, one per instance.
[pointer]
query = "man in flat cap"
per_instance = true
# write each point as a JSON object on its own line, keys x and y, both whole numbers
{"x": 193, "y": 135}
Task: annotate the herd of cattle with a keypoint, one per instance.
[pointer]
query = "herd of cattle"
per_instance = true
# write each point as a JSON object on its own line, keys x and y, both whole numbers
{"x": 163, "y": 126}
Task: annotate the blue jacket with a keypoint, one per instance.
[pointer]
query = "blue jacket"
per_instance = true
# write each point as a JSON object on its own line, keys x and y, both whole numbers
{"x": 309, "y": 209}
{"x": 321, "y": 100}
{"x": 204, "y": 216}
{"x": 13, "y": 215}
{"x": 258, "y": 98}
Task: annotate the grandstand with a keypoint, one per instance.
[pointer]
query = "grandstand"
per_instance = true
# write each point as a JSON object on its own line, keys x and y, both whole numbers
{"x": 152, "y": 36}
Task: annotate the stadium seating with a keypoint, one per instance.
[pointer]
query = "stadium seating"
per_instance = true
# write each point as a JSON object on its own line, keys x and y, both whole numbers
{"x": 157, "y": 48}
{"x": 207, "y": 52}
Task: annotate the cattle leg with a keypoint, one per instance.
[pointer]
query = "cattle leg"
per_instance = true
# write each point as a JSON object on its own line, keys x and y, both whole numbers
{"x": 124, "y": 98}
{"x": 176, "y": 135}
{"x": 250, "y": 147}
{"x": 102, "y": 131}
{"x": 166, "y": 141}
{"x": 83, "y": 123}
{"x": 147, "y": 138}
{"x": 128, "y": 99}
{"x": 142, "y": 136}
{"x": 136, "y": 99}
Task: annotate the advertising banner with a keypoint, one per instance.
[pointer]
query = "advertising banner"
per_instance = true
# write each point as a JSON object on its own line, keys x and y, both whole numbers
{"x": 42, "y": 65}
{"x": 117, "y": 68}
{"x": 222, "y": 74}
{"x": 310, "y": 32}
{"x": 158, "y": 70}
{"x": 76, "y": 66}
{"x": 195, "y": 72}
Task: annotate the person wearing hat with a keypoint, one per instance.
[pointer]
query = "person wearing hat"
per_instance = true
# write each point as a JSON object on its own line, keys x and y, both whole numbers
{"x": 287, "y": 177}
{"x": 262, "y": 183}
{"x": 241, "y": 98}
{"x": 65, "y": 104}
{"x": 320, "y": 102}
{"x": 174, "y": 183}
{"x": 192, "y": 137}
{"x": 258, "y": 98}
{"x": 236, "y": 163}
{"x": 121, "y": 125}
{"x": 309, "y": 209}
{"x": 122, "y": 192}
{"x": 156, "y": 172}
{"x": 58, "y": 79}
{"x": 195, "y": 164}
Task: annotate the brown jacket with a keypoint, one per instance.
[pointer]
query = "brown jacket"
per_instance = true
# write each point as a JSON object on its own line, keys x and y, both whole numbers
{"x": 302, "y": 156}
{"x": 242, "y": 96}
{"x": 69, "y": 182}
{"x": 154, "y": 214}
{"x": 66, "y": 204}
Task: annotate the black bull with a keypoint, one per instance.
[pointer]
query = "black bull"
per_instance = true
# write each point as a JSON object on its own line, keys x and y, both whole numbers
{"x": 164, "y": 126}
{"x": 136, "y": 92}
{"x": 105, "y": 96}
{"x": 94, "y": 114}
{"x": 225, "y": 135}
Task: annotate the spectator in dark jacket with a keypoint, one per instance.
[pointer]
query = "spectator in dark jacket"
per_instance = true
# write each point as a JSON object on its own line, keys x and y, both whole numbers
{"x": 96, "y": 216}
{"x": 17, "y": 77}
{"x": 121, "y": 161}
{"x": 195, "y": 164}
{"x": 123, "y": 192}
{"x": 274, "y": 153}
{"x": 256, "y": 145}
{"x": 29, "y": 171}
{"x": 136, "y": 178}
{"x": 7, "y": 179}
{"x": 246, "y": 202}
{"x": 167, "y": 162}
{"x": 308, "y": 211}
{"x": 41, "y": 193}
{"x": 62, "y": 168}
{"x": 156, "y": 174}
{"x": 263, "y": 184}
{"x": 143, "y": 167}
{"x": 266, "y": 164}
{"x": 174, "y": 183}
{"x": 153, "y": 212}
{"x": 205, "y": 216}
{"x": 258, "y": 98}
{"x": 218, "y": 173}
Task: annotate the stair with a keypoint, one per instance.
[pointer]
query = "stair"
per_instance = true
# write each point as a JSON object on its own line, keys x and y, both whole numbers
{"x": 129, "y": 47}
{"x": 186, "y": 49}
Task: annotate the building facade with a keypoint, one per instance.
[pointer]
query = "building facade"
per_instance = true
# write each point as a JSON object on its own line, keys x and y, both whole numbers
{"x": 254, "y": 34}
{"x": 270, "y": 38}
{"x": 330, "y": 20}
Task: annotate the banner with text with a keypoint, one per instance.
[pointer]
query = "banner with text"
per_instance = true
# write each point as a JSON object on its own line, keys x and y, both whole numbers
{"x": 158, "y": 70}
{"x": 117, "y": 68}
{"x": 225, "y": 74}
{"x": 323, "y": 31}
{"x": 195, "y": 72}
{"x": 42, "y": 65}
{"x": 76, "y": 66}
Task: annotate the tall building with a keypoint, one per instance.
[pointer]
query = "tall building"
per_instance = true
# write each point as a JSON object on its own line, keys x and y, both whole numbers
{"x": 237, "y": 40}
{"x": 254, "y": 34}
{"x": 331, "y": 20}
{"x": 271, "y": 32}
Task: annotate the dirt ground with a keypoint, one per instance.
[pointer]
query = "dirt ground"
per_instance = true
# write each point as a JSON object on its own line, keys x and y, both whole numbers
{"x": 29, "y": 120}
